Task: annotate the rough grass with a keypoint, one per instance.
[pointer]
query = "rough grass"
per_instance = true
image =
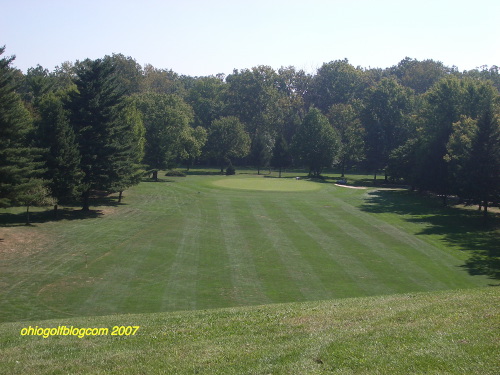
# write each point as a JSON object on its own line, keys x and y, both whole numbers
{"x": 186, "y": 244}
{"x": 447, "y": 332}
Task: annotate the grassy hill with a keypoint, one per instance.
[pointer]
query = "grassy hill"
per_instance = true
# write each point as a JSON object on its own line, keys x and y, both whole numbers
{"x": 446, "y": 332}
{"x": 207, "y": 241}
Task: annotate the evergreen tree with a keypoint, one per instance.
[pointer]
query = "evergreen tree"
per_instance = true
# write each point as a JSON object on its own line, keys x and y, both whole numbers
{"x": 20, "y": 165}
{"x": 62, "y": 157}
{"x": 94, "y": 118}
{"x": 128, "y": 141}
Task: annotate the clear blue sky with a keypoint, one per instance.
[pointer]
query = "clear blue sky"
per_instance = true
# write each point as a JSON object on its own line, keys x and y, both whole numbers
{"x": 203, "y": 37}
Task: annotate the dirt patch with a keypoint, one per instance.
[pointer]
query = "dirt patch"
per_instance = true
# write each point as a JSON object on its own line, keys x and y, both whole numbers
{"x": 20, "y": 242}
{"x": 106, "y": 210}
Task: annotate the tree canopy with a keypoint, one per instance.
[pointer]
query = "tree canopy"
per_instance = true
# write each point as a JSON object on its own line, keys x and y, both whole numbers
{"x": 98, "y": 126}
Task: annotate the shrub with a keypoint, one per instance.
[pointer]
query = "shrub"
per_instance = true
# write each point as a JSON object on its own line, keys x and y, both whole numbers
{"x": 230, "y": 170}
{"x": 175, "y": 173}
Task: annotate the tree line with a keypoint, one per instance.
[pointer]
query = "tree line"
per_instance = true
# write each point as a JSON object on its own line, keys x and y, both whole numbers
{"x": 101, "y": 125}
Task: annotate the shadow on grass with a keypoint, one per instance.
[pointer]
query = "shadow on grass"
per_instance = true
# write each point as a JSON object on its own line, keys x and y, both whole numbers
{"x": 19, "y": 219}
{"x": 466, "y": 229}
{"x": 68, "y": 212}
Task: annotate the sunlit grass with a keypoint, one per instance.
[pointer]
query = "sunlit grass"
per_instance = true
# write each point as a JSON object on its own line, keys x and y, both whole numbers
{"x": 188, "y": 244}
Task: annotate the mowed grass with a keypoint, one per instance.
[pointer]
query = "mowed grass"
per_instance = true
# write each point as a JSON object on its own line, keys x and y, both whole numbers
{"x": 191, "y": 244}
{"x": 266, "y": 184}
{"x": 446, "y": 332}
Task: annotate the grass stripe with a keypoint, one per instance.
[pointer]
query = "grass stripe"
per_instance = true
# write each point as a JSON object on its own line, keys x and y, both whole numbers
{"x": 297, "y": 268}
{"x": 372, "y": 253}
{"x": 426, "y": 257}
{"x": 333, "y": 242}
{"x": 327, "y": 269}
{"x": 246, "y": 285}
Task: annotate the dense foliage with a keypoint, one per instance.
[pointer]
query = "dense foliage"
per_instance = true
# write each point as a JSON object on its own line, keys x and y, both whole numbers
{"x": 99, "y": 125}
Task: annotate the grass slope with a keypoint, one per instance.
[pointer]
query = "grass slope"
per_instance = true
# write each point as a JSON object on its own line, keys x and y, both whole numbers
{"x": 446, "y": 332}
{"x": 187, "y": 244}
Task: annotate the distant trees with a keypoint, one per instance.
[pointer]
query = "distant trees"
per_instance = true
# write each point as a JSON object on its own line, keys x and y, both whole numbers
{"x": 337, "y": 82}
{"x": 207, "y": 98}
{"x": 98, "y": 125}
{"x": 419, "y": 75}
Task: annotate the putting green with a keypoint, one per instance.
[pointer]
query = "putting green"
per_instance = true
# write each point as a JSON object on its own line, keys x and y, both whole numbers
{"x": 267, "y": 184}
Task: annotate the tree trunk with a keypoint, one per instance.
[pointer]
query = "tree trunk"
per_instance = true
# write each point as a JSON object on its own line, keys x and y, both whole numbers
{"x": 85, "y": 201}
{"x": 155, "y": 176}
{"x": 280, "y": 172}
{"x": 55, "y": 210}
{"x": 28, "y": 215}
{"x": 343, "y": 170}
{"x": 485, "y": 211}
{"x": 445, "y": 200}
{"x": 120, "y": 196}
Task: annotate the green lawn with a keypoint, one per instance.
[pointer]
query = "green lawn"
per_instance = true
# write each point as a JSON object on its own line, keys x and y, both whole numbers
{"x": 203, "y": 242}
{"x": 446, "y": 332}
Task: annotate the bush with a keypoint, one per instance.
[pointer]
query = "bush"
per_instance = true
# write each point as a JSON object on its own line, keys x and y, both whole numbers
{"x": 175, "y": 173}
{"x": 230, "y": 170}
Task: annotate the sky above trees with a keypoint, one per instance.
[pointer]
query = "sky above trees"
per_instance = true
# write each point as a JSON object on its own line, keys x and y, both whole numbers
{"x": 199, "y": 37}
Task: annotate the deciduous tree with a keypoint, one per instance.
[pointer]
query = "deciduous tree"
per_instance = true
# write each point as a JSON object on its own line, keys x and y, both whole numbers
{"x": 166, "y": 118}
{"x": 345, "y": 120}
{"x": 227, "y": 140}
{"x": 316, "y": 143}
{"x": 385, "y": 118}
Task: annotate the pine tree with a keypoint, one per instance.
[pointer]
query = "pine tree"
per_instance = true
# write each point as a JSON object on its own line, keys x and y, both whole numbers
{"x": 20, "y": 165}
{"x": 93, "y": 117}
{"x": 128, "y": 145}
{"x": 56, "y": 136}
